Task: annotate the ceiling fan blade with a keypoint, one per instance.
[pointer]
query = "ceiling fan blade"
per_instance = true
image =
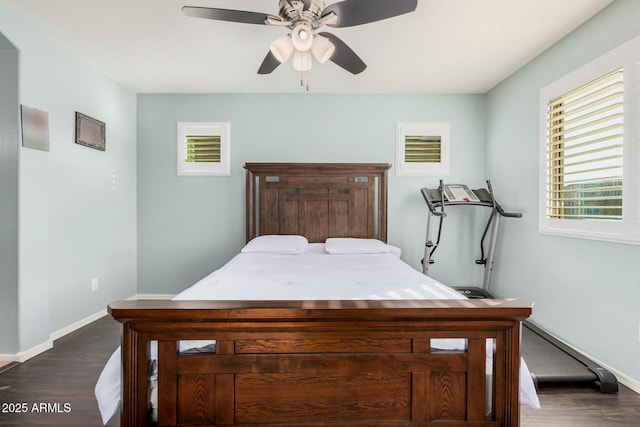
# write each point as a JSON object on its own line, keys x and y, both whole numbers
{"x": 357, "y": 12}
{"x": 242, "y": 16}
{"x": 269, "y": 64}
{"x": 344, "y": 56}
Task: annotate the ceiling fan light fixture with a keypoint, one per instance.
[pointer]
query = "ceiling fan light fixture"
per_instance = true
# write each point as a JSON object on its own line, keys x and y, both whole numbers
{"x": 322, "y": 49}
{"x": 302, "y": 37}
{"x": 282, "y": 48}
{"x": 304, "y": 18}
{"x": 302, "y": 60}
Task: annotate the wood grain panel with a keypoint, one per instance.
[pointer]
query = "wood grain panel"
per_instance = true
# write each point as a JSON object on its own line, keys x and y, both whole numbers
{"x": 316, "y": 180}
{"x": 266, "y": 346}
{"x": 421, "y": 345}
{"x": 135, "y": 374}
{"x": 314, "y": 220}
{"x": 476, "y": 379}
{"x": 360, "y": 213}
{"x": 334, "y": 398}
{"x": 288, "y": 213}
{"x": 167, "y": 383}
{"x": 269, "y": 211}
{"x": 224, "y": 399}
{"x": 421, "y": 396}
{"x": 322, "y": 362}
{"x": 201, "y": 408}
{"x": 448, "y": 396}
{"x": 499, "y": 374}
{"x": 224, "y": 387}
{"x": 339, "y": 218}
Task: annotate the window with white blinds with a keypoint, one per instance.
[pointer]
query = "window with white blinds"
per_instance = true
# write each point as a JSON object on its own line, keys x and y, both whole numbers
{"x": 590, "y": 150}
{"x": 203, "y": 148}
{"x": 585, "y": 151}
{"x": 422, "y": 149}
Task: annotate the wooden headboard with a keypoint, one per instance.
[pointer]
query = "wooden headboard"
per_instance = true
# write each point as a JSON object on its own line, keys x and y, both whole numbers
{"x": 317, "y": 200}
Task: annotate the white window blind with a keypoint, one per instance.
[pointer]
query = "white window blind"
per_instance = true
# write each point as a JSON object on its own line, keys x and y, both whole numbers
{"x": 203, "y": 148}
{"x": 422, "y": 149}
{"x": 585, "y": 151}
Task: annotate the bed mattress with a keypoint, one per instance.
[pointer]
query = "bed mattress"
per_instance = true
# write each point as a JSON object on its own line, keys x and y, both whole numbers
{"x": 311, "y": 275}
{"x": 317, "y": 275}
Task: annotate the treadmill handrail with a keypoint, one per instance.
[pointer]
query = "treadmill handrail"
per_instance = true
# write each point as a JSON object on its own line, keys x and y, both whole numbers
{"x": 507, "y": 214}
{"x": 432, "y": 208}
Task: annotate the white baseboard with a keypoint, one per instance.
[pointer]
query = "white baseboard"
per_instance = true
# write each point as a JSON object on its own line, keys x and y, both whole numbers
{"x": 77, "y": 325}
{"x": 23, "y": 356}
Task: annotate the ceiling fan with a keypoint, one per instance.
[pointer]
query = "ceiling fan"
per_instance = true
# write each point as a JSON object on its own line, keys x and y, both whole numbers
{"x": 304, "y": 18}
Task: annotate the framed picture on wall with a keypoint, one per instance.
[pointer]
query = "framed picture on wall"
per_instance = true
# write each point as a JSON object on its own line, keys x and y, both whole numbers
{"x": 90, "y": 132}
{"x": 35, "y": 128}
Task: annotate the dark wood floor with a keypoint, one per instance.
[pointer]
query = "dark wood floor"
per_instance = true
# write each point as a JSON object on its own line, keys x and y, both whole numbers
{"x": 67, "y": 375}
{"x": 583, "y": 406}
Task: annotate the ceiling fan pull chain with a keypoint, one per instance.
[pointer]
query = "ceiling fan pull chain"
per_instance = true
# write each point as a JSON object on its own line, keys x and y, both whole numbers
{"x": 303, "y": 85}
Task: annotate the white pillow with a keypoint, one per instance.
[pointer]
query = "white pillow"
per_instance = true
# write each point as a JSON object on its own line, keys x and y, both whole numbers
{"x": 348, "y": 245}
{"x": 278, "y": 244}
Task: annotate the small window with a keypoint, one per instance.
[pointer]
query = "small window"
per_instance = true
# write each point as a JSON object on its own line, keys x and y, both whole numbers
{"x": 422, "y": 149}
{"x": 203, "y": 148}
{"x": 590, "y": 168}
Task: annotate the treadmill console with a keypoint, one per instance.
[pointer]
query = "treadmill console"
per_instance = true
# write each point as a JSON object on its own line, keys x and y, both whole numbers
{"x": 459, "y": 193}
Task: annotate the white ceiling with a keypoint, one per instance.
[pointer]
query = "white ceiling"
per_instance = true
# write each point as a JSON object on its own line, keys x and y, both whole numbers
{"x": 445, "y": 46}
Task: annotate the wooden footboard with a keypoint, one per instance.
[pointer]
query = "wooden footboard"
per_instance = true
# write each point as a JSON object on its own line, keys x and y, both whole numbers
{"x": 322, "y": 363}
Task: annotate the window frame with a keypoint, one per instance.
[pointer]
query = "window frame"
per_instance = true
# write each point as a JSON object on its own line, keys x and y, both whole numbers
{"x": 627, "y": 230}
{"x": 441, "y": 168}
{"x": 221, "y": 129}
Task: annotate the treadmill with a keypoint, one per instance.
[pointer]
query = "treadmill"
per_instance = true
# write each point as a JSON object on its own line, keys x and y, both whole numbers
{"x": 549, "y": 360}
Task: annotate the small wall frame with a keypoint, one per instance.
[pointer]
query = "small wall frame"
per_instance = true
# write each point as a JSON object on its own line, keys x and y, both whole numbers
{"x": 90, "y": 132}
{"x": 35, "y": 128}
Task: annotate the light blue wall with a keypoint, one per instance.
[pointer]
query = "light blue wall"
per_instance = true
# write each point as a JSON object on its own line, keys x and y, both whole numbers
{"x": 188, "y": 226}
{"x": 586, "y": 292}
{"x": 9, "y": 162}
{"x": 73, "y": 225}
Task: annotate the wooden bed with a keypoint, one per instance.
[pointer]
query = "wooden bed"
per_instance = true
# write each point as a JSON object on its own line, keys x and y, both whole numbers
{"x": 322, "y": 363}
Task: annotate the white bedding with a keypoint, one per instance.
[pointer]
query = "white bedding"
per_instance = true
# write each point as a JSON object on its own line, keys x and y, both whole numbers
{"x": 314, "y": 275}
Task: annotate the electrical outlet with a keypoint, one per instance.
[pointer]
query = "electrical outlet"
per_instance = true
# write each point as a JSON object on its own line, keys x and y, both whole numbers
{"x": 94, "y": 284}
